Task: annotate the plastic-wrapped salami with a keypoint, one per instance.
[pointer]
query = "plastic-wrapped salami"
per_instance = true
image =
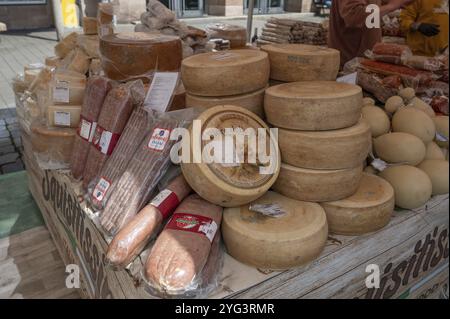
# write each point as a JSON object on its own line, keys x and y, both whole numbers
{"x": 114, "y": 115}
{"x": 427, "y": 63}
{"x": 134, "y": 236}
{"x": 390, "y": 53}
{"x": 96, "y": 90}
{"x": 179, "y": 255}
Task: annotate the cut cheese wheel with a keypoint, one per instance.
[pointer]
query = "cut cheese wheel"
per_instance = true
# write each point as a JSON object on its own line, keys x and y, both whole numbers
{"x": 31, "y": 75}
{"x": 368, "y": 210}
{"x": 64, "y": 115}
{"x": 441, "y": 123}
{"x": 90, "y": 45}
{"x": 76, "y": 61}
{"x": 313, "y": 106}
{"x": 232, "y": 184}
{"x": 55, "y": 143}
{"x": 378, "y": 120}
{"x": 434, "y": 152}
{"x": 236, "y": 34}
{"x": 317, "y": 185}
{"x": 412, "y": 186}
{"x": 66, "y": 45}
{"x": 301, "y": 62}
{"x": 74, "y": 95}
{"x": 254, "y": 102}
{"x": 437, "y": 171}
{"x": 89, "y": 25}
{"x": 337, "y": 149}
{"x": 400, "y": 148}
{"x": 225, "y": 73}
{"x": 52, "y": 61}
{"x": 281, "y": 243}
{"x": 415, "y": 122}
{"x": 138, "y": 54}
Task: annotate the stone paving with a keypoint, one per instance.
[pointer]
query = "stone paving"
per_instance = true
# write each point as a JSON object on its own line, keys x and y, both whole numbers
{"x": 10, "y": 142}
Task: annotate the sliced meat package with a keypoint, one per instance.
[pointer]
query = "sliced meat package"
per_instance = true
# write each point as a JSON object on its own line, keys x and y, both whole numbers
{"x": 114, "y": 115}
{"x": 96, "y": 90}
{"x": 134, "y": 236}
{"x": 176, "y": 262}
{"x": 147, "y": 166}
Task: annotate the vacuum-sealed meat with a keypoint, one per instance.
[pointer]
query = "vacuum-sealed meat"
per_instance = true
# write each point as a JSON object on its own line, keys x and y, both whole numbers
{"x": 391, "y": 53}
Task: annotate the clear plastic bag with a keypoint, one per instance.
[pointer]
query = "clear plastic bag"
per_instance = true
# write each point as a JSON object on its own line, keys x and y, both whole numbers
{"x": 390, "y": 53}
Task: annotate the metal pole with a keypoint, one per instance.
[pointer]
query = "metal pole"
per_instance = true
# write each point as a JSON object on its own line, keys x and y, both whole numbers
{"x": 251, "y": 5}
{"x": 58, "y": 18}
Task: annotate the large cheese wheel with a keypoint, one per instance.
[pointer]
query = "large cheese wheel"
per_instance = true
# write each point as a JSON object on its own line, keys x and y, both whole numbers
{"x": 337, "y": 149}
{"x": 313, "y": 106}
{"x": 434, "y": 152}
{"x": 437, "y": 171}
{"x": 401, "y": 148}
{"x": 236, "y": 34}
{"x": 253, "y": 102}
{"x": 302, "y": 62}
{"x": 225, "y": 73}
{"x": 412, "y": 186}
{"x": 239, "y": 183}
{"x": 441, "y": 123}
{"x": 281, "y": 243}
{"x": 415, "y": 122}
{"x": 53, "y": 143}
{"x": 378, "y": 120}
{"x": 317, "y": 185}
{"x": 368, "y": 210}
{"x": 136, "y": 54}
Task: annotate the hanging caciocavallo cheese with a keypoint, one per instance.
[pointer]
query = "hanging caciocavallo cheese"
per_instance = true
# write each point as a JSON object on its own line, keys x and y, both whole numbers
{"x": 336, "y": 149}
{"x": 253, "y": 102}
{"x": 415, "y": 122}
{"x": 138, "y": 54}
{"x": 368, "y": 210}
{"x": 313, "y": 106}
{"x": 317, "y": 185}
{"x": 400, "y": 148}
{"x": 302, "y": 62}
{"x": 438, "y": 172}
{"x": 225, "y": 73}
{"x": 232, "y": 183}
{"x": 264, "y": 242}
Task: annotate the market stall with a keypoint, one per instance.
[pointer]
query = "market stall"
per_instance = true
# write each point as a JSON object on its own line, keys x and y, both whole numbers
{"x": 344, "y": 190}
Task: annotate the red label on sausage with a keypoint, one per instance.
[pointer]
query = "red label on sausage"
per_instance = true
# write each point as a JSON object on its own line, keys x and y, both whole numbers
{"x": 104, "y": 140}
{"x": 194, "y": 224}
{"x": 166, "y": 202}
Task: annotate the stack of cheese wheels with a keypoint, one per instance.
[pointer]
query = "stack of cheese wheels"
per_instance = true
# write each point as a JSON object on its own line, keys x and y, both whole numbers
{"x": 235, "y": 77}
{"x": 322, "y": 138}
{"x": 290, "y": 240}
{"x": 301, "y": 62}
{"x": 221, "y": 179}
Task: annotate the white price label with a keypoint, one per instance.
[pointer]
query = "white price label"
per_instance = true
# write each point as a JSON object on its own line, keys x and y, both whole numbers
{"x": 159, "y": 139}
{"x": 349, "y": 78}
{"x": 91, "y": 136}
{"x": 161, "y": 197}
{"x": 85, "y": 129}
{"x": 61, "y": 118}
{"x": 209, "y": 230}
{"x": 100, "y": 189}
{"x": 379, "y": 164}
{"x": 161, "y": 90}
{"x": 440, "y": 137}
{"x": 105, "y": 140}
{"x": 61, "y": 92}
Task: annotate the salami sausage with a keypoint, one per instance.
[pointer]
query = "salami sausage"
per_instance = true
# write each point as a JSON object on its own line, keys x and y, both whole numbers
{"x": 180, "y": 253}
{"x": 132, "y": 238}
{"x": 96, "y": 90}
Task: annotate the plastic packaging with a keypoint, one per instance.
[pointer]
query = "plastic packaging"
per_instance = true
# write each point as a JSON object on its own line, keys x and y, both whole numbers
{"x": 237, "y": 35}
{"x": 390, "y": 53}
{"x": 431, "y": 64}
{"x": 77, "y": 60}
{"x": 90, "y": 45}
{"x": 105, "y": 19}
{"x": 67, "y": 87}
{"x": 175, "y": 265}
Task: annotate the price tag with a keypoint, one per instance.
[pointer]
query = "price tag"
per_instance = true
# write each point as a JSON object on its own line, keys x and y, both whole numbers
{"x": 62, "y": 118}
{"x": 161, "y": 90}
{"x": 209, "y": 230}
{"x": 159, "y": 139}
{"x": 349, "y": 78}
{"x": 379, "y": 164}
{"x": 61, "y": 92}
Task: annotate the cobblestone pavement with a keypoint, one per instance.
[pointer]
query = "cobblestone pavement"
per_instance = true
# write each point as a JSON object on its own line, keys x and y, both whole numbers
{"x": 10, "y": 142}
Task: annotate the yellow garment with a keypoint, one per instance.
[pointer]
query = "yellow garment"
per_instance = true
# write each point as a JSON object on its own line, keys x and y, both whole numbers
{"x": 426, "y": 11}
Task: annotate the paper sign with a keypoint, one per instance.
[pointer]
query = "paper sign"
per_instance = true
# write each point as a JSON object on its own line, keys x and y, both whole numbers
{"x": 61, "y": 92}
{"x": 161, "y": 90}
{"x": 349, "y": 78}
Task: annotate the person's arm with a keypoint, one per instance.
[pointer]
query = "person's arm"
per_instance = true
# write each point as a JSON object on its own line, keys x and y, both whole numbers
{"x": 408, "y": 22}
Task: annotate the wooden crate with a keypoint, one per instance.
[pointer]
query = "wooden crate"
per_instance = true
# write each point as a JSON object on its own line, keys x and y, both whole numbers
{"x": 411, "y": 252}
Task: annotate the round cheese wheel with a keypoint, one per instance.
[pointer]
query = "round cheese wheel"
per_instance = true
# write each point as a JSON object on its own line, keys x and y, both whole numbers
{"x": 239, "y": 183}
{"x": 412, "y": 186}
{"x": 253, "y": 102}
{"x": 337, "y": 149}
{"x": 225, "y": 73}
{"x": 437, "y": 171}
{"x": 400, "y": 148}
{"x": 291, "y": 240}
{"x": 378, "y": 120}
{"x": 313, "y": 106}
{"x": 317, "y": 185}
{"x": 434, "y": 152}
{"x": 441, "y": 123}
{"x": 368, "y": 210}
{"x": 137, "y": 54}
{"x": 302, "y": 62}
{"x": 54, "y": 143}
{"x": 415, "y": 122}
{"x": 237, "y": 35}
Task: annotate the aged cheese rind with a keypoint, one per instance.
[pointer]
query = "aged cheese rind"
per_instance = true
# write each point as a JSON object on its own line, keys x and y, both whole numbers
{"x": 336, "y": 149}
{"x": 57, "y": 143}
{"x": 236, "y": 34}
{"x": 225, "y": 73}
{"x": 400, "y": 148}
{"x": 275, "y": 243}
{"x": 368, "y": 210}
{"x": 317, "y": 185}
{"x": 313, "y": 106}
{"x": 301, "y": 62}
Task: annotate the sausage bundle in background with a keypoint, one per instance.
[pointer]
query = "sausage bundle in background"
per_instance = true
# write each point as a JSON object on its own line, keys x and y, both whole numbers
{"x": 134, "y": 236}
{"x": 96, "y": 90}
{"x": 114, "y": 115}
{"x": 175, "y": 265}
